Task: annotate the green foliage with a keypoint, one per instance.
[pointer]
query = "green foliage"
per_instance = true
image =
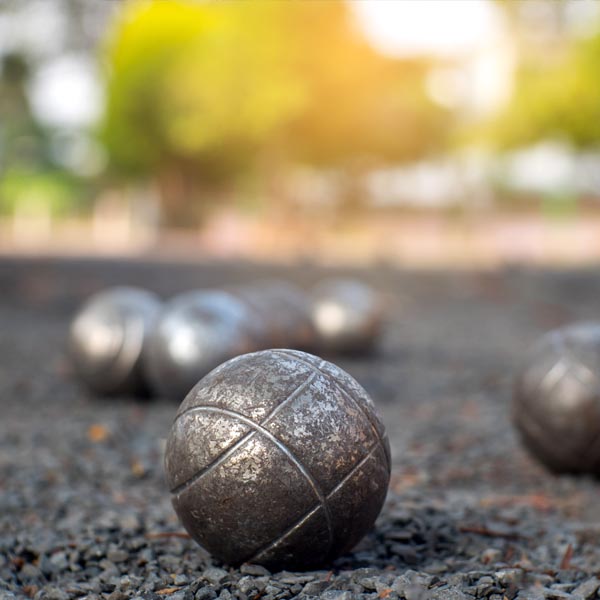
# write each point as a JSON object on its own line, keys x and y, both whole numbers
{"x": 558, "y": 100}
{"x": 51, "y": 191}
{"x": 24, "y": 143}
{"x": 215, "y": 87}
{"x": 204, "y": 83}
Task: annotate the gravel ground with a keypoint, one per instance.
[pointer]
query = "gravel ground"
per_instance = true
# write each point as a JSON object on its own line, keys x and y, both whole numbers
{"x": 84, "y": 510}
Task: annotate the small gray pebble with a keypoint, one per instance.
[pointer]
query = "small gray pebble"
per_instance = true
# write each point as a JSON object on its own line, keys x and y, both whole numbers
{"x": 315, "y": 587}
{"x": 337, "y": 595}
{"x": 563, "y": 587}
{"x": 205, "y": 593}
{"x": 553, "y": 594}
{"x": 491, "y": 556}
{"x": 30, "y": 571}
{"x": 272, "y": 589}
{"x": 292, "y": 578}
{"x": 508, "y": 576}
{"x": 532, "y": 594}
{"x": 54, "y": 593}
{"x": 59, "y": 560}
{"x": 587, "y": 589}
{"x": 214, "y": 575}
{"x": 257, "y": 570}
{"x": 449, "y": 594}
{"x": 248, "y": 583}
{"x": 117, "y": 555}
{"x": 416, "y": 592}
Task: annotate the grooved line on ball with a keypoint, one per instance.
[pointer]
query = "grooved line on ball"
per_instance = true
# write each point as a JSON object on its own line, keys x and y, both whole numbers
{"x": 298, "y": 524}
{"x": 564, "y": 366}
{"x": 318, "y": 369}
{"x": 530, "y": 425}
{"x": 227, "y": 453}
{"x": 569, "y": 363}
{"x": 257, "y": 428}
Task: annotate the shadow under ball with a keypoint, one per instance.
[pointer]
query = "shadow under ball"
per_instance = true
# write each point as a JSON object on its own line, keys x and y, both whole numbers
{"x": 194, "y": 333}
{"x": 347, "y": 315}
{"x": 556, "y": 401}
{"x": 277, "y": 458}
{"x": 107, "y": 337}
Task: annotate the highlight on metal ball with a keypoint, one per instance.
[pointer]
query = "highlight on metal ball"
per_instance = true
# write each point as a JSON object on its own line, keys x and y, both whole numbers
{"x": 107, "y": 337}
{"x": 556, "y": 400}
{"x": 277, "y": 458}
{"x": 347, "y": 315}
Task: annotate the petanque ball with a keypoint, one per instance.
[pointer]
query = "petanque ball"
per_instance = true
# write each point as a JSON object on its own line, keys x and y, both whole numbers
{"x": 284, "y": 311}
{"x": 556, "y": 401}
{"x": 194, "y": 333}
{"x": 347, "y": 315}
{"x": 277, "y": 458}
{"x": 107, "y": 337}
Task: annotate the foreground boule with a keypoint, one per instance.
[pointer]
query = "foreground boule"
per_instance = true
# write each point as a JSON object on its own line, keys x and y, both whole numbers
{"x": 107, "y": 337}
{"x": 347, "y": 315}
{"x": 556, "y": 401}
{"x": 277, "y": 458}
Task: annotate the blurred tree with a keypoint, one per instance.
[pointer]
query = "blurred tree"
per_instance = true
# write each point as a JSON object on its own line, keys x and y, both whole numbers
{"x": 194, "y": 91}
{"x": 359, "y": 104}
{"x": 23, "y": 142}
{"x": 33, "y": 173}
{"x": 557, "y": 94}
{"x": 200, "y": 92}
{"x": 362, "y": 109}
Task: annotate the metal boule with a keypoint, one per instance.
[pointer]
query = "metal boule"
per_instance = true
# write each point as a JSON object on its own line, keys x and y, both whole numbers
{"x": 277, "y": 458}
{"x": 194, "y": 333}
{"x": 284, "y": 310}
{"x": 107, "y": 337}
{"x": 556, "y": 399}
{"x": 347, "y": 315}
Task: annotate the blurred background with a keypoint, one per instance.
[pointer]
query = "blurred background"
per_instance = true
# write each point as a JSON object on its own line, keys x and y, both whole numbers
{"x": 426, "y": 134}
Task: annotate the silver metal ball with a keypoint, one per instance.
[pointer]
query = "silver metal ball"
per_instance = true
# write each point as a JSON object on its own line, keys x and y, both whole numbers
{"x": 194, "y": 333}
{"x": 556, "y": 400}
{"x": 277, "y": 458}
{"x": 284, "y": 311}
{"x": 107, "y": 337}
{"x": 347, "y": 315}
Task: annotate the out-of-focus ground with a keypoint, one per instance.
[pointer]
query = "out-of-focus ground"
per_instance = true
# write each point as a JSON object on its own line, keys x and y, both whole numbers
{"x": 84, "y": 511}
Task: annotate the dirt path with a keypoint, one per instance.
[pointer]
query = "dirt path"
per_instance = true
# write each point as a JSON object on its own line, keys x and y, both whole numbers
{"x": 83, "y": 507}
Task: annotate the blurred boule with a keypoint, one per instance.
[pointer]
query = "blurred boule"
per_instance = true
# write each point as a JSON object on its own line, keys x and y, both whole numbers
{"x": 277, "y": 458}
{"x": 347, "y": 315}
{"x": 556, "y": 401}
{"x": 284, "y": 311}
{"x": 107, "y": 337}
{"x": 194, "y": 333}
